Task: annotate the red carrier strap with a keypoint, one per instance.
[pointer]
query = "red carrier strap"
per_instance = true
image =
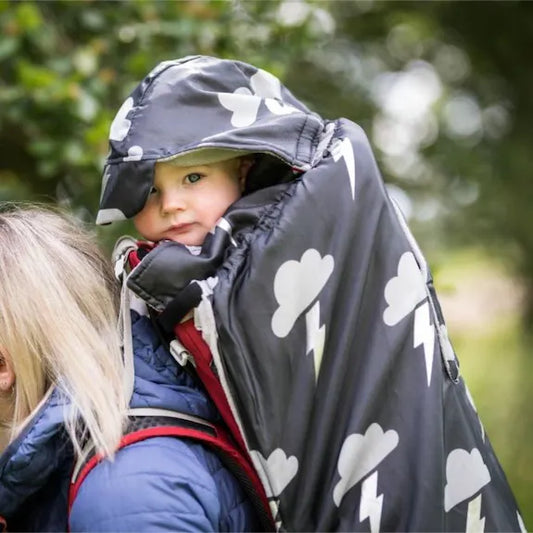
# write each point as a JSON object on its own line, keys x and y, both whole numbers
{"x": 135, "y": 256}
{"x": 193, "y": 342}
{"x": 213, "y": 436}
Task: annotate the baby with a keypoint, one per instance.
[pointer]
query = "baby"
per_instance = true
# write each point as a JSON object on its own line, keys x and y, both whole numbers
{"x": 185, "y": 202}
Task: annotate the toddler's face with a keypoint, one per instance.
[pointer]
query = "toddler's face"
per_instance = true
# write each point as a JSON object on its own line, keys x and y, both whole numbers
{"x": 185, "y": 203}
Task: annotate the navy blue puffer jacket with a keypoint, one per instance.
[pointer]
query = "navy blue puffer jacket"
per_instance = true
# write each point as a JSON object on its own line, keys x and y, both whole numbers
{"x": 160, "y": 484}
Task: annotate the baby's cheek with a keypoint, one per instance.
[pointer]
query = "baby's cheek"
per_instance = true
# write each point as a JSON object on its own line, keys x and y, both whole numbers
{"x": 144, "y": 221}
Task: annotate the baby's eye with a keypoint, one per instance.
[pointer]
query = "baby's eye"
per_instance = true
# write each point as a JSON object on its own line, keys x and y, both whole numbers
{"x": 153, "y": 190}
{"x": 193, "y": 178}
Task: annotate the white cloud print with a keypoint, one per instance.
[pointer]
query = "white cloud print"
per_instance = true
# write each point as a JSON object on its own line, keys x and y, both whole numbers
{"x": 121, "y": 125}
{"x": 279, "y": 469}
{"x": 296, "y": 285}
{"x": 466, "y": 473}
{"x": 268, "y": 86}
{"x": 244, "y": 104}
{"x": 404, "y": 291}
{"x": 360, "y": 454}
{"x": 135, "y": 153}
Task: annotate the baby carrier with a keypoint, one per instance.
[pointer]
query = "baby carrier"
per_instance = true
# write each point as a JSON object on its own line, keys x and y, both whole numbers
{"x": 148, "y": 422}
{"x": 315, "y": 318}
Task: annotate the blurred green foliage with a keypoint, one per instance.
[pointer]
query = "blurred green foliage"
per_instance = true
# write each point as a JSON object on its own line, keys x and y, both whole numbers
{"x": 470, "y": 176}
{"x": 67, "y": 66}
{"x": 465, "y": 164}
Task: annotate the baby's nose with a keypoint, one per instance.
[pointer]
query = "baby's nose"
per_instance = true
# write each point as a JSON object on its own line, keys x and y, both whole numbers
{"x": 172, "y": 201}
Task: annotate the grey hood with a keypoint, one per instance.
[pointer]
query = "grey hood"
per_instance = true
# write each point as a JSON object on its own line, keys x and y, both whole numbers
{"x": 196, "y": 103}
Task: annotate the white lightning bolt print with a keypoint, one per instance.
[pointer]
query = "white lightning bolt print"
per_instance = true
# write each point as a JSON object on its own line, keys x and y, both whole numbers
{"x": 474, "y": 522}
{"x": 226, "y": 226}
{"x": 521, "y": 523}
{"x": 316, "y": 336}
{"x": 344, "y": 149}
{"x": 371, "y": 505}
{"x": 424, "y": 333}
{"x": 274, "y": 509}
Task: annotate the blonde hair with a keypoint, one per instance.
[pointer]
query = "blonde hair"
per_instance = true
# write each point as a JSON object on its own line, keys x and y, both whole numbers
{"x": 58, "y": 322}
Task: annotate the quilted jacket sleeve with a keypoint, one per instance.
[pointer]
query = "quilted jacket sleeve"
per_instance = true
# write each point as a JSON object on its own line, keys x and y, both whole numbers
{"x": 160, "y": 484}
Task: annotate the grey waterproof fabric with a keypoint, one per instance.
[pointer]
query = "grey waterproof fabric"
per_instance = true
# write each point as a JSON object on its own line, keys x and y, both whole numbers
{"x": 318, "y": 307}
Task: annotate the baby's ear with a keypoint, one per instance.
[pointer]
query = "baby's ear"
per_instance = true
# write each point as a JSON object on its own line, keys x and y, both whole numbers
{"x": 245, "y": 164}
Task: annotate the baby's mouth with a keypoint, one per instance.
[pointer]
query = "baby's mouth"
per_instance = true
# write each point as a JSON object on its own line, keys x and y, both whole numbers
{"x": 181, "y": 227}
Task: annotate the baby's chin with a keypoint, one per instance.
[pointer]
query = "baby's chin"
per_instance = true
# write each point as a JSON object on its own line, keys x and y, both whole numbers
{"x": 187, "y": 239}
{"x": 184, "y": 242}
{"x": 194, "y": 249}
{"x": 188, "y": 242}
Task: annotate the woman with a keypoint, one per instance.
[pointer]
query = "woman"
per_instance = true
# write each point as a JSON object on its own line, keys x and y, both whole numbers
{"x": 62, "y": 384}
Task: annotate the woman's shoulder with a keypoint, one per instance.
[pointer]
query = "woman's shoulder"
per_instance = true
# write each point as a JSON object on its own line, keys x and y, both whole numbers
{"x": 165, "y": 456}
{"x": 161, "y": 480}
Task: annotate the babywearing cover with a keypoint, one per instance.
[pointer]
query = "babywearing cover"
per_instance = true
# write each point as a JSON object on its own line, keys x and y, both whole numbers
{"x": 318, "y": 308}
